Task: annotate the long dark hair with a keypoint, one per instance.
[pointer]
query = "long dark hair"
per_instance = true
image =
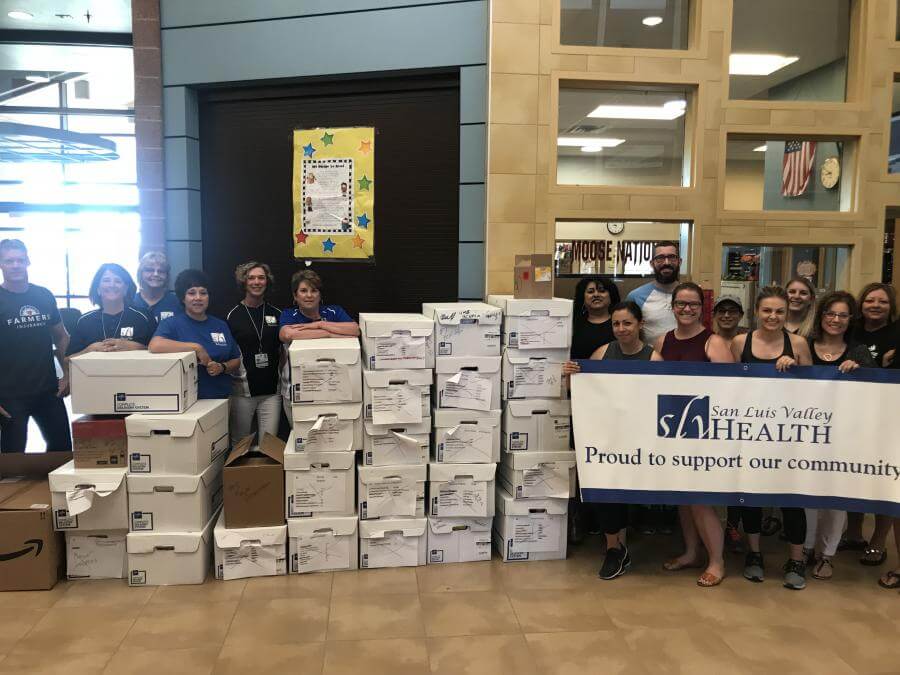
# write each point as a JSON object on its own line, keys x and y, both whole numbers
{"x": 119, "y": 271}
{"x": 578, "y": 309}
{"x": 825, "y": 304}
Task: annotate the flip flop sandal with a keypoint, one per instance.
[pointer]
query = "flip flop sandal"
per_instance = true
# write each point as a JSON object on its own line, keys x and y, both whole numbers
{"x": 869, "y": 558}
{"x": 893, "y": 581}
{"x": 708, "y": 580}
{"x": 824, "y": 569}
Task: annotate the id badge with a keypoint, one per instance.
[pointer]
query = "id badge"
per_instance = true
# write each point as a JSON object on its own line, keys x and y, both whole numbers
{"x": 262, "y": 360}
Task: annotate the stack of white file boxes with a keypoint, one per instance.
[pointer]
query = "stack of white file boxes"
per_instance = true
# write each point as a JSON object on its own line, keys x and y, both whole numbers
{"x": 398, "y": 353}
{"x": 466, "y": 421}
{"x": 320, "y": 458}
{"x": 537, "y": 469}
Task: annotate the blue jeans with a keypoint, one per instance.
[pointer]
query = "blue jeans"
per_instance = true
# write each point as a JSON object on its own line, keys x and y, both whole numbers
{"x": 48, "y": 411}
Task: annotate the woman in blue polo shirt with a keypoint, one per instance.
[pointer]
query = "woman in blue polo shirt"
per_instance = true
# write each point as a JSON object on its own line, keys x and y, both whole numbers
{"x": 195, "y": 331}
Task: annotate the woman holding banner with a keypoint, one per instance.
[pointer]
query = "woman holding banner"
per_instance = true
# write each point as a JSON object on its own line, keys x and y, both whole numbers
{"x": 771, "y": 343}
{"x": 692, "y": 341}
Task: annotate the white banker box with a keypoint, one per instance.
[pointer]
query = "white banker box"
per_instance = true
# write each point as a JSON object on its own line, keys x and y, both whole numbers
{"x": 174, "y": 503}
{"x": 109, "y": 383}
{"x": 327, "y": 427}
{"x": 456, "y": 540}
{"x": 185, "y": 443}
{"x": 539, "y": 474}
{"x": 392, "y": 542}
{"x": 95, "y": 555}
{"x": 530, "y": 529}
{"x": 88, "y": 499}
{"x": 533, "y": 373}
{"x": 537, "y": 425}
{"x": 169, "y": 558}
{"x": 461, "y": 490}
{"x": 468, "y": 382}
{"x": 242, "y": 553}
{"x": 391, "y": 341}
{"x": 323, "y": 544}
{"x": 465, "y": 328}
{"x": 319, "y": 483}
{"x": 397, "y": 396}
{"x": 325, "y": 370}
{"x": 466, "y": 436}
{"x": 390, "y": 444}
{"x": 387, "y": 491}
{"x": 535, "y": 323}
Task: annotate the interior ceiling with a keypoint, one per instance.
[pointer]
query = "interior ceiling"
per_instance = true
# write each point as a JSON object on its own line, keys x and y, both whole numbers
{"x": 106, "y": 16}
{"x": 112, "y": 63}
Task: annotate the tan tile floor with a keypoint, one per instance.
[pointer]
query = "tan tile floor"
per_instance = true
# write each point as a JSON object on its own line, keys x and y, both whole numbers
{"x": 493, "y": 618}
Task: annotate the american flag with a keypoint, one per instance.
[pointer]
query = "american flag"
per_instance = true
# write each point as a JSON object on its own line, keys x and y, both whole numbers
{"x": 799, "y": 157}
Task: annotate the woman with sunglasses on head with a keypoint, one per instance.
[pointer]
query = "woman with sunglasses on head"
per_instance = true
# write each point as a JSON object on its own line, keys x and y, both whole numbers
{"x": 801, "y": 307}
{"x": 692, "y": 341}
{"x": 772, "y": 343}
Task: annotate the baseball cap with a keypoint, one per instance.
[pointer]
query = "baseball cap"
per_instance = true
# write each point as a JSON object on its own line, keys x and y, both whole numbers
{"x": 728, "y": 298}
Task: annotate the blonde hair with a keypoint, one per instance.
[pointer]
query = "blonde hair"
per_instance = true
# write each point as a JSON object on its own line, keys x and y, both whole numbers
{"x": 242, "y": 270}
{"x": 151, "y": 257}
{"x": 808, "y": 325}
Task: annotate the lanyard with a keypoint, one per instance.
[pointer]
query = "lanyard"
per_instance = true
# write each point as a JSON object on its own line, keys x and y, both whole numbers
{"x": 262, "y": 325}
{"x": 118, "y": 325}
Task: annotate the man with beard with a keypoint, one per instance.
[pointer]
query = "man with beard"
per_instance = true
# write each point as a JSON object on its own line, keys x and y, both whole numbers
{"x": 655, "y": 298}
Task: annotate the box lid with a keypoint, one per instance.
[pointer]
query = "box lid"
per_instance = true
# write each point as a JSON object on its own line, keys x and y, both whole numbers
{"x": 383, "y": 378}
{"x": 375, "y": 325}
{"x": 180, "y": 542}
{"x": 270, "y": 447}
{"x": 519, "y": 461}
{"x": 248, "y": 536}
{"x": 385, "y": 474}
{"x": 539, "y": 406}
{"x": 450, "y": 525}
{"x": 24, "y": 494}
{"x": 456, "y": 313}
{"x": 178, "y": 483}
{"x": 423, "y": 427}
{"x": 377, "y": 529}
{"x": 314, "y": 459}
{"x": 447, "y": 472}
{"x": 521, "y": 356}
{"x": 531, "y": 306}
{"x": 310, "y": 412}
{"x": 451, "y": 417}
{"x": 203, "y": 416}
{"x": 344, "y": 350}
{"x": 337, "y": 525}
{"x": 101, "y": 481}
{"x": 507, "y": 506}
{"x": 138, "y": 363}
{"x": 454, "y": 364}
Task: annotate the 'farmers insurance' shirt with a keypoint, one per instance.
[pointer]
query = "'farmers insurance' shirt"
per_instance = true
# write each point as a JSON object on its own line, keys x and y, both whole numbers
{"x": 256, "y": 332}
{"x": 97, "y": 326}
{"x": 168, "y": 306}
{"x": 26, "y": 342}
{"x": 215, "y": 337}
{"x": 656, "y": 305}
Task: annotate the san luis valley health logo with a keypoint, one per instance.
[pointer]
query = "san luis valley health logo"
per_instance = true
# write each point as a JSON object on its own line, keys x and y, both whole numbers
{"x": 695, "y": 417}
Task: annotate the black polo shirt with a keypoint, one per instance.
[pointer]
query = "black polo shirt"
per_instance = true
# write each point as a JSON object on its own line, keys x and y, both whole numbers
{"x": 97, "y": 326}
{"x": 256, "y": 331}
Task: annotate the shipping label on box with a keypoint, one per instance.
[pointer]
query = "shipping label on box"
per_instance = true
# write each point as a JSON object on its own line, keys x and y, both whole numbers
{"x": 540, "y": 474}
{"x": 325, "y": 370}
{"x": 397, "y": 397}
{"x": 530, "y": 529}
{"x": 537, "y": 425}
{"x": 465, "y": 328}
{"x": 535, "y": 323}
{"x": 533, "y": 374}
{"x": 461, "y": 490}
{"x": 467, "y": 437}
{"x": 95, "y": 555}
{"x": 323, "y": 544}
{"x": 468, "y": 382}
{"x": 392, "y": 542}
{"x": 455, "y": 540}
{"x": 99, "y": 442}
{"x": 391, "y": 491}
{"x": 329, "y": 427}
{"x": 392, "y": 341}
{"x": 395, "y": 445}
{"x": 249, "y": 552}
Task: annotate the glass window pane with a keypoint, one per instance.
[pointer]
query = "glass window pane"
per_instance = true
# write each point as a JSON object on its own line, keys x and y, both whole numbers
{"x": 45, "y": 96}
{"x": 638, "y": 24}
{"x": 95, "y": 238}
{"x": 101, "y": 90}
{"x": 622, "y": 136}
{"x": 894, "y": 150}
{"x": 44, "y": 235}
{"x": 121, "y": 170}
{"x": 789, "y": 51}
{"x": 101, "y": 124}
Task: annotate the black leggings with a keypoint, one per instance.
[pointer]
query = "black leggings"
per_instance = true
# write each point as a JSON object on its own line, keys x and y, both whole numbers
{"x": 613, "y": 517}
{"x": 794, "y": 522}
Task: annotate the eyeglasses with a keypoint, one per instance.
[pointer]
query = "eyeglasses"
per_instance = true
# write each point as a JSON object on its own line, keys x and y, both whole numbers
{"x": 683, "y": 304}
{"x": 843, "y": 316}
{"x": 665, "y": 258}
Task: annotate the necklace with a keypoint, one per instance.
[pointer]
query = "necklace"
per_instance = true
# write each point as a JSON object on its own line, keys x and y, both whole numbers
{"x": 118, "y": 325}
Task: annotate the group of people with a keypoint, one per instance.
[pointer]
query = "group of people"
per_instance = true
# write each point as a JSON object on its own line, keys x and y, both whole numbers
{"x": 662, "y": 321}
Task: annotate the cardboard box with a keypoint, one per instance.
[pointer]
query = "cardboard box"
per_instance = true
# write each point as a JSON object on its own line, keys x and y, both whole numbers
{"x": 253, "y": 483}
{"x": 533, "y": 276}
{"x": 533, "y": 373}
{"x": 465, "y": 328}
{"x": 30, "y": 550}
{"x": 466, "y": 436}
{"x": 392, "y": 542}
{"x": 325, "y": 371}
{"x": 242, "y": 553}
{"x": 96, "y": 555}
{"x": 456, "y": 540}
{"x": 537, "y": 425}
{"x": 329, "y": 427}
{"x": 539, "y": 474}
{"x": 530, "y": 529}
{"x": 389, "y": 445}
{"x": 467, "y": 382}
{"x": 186, "y": 443}
{"x": 319, "y": 483}
{"x": 461, "y": 490}
{"x": 174, "y": 503}
{"x": 389, "y": 396}
{"x": 169, "y": 558}
{"x": 323, "y": 544}
{"x": 88, "y": 499}
{"x": 99, "y": 442}
{"x": 535, "y": 324}
{"x": 388, "y": 491}
{"x": 392, "y": 341}
{"x": 108, "y": 383}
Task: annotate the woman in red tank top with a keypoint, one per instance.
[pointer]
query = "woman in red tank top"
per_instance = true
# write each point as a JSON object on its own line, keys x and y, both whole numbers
{"x": 692, "y": 341}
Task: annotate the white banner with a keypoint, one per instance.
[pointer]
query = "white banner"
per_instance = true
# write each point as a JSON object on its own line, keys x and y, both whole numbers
{"x": 679, "y": 433}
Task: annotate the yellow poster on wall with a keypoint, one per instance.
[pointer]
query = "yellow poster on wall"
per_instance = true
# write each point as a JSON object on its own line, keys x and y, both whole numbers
{"x": 334, "y": 193}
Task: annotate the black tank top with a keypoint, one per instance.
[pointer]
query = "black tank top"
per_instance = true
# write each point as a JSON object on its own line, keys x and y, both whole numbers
{"x": 614, "y": 353}
{"x": 747, "y": 353}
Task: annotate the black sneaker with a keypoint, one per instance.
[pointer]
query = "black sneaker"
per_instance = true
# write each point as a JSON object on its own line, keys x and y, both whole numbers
{"x": 754, "y": 570}
{"x": 616, "y": 563}
{"x": 795, "y": 575}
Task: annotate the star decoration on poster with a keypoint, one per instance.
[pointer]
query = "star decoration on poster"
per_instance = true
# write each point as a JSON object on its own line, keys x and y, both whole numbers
{"x": 327, "y": 139}
{"x": 308, "y": 150}
{"x": 358, "y": 241}
{"x": 365, "y": 147}
{"x": 363, "y": 221}
{"x": 302, "y": 237}
{"x": 328, "y": 246}
{"x": 364, "y": 183}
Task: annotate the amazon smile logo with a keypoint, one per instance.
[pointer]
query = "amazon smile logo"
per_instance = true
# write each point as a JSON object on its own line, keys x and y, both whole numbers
{"x": 36, "y": 545}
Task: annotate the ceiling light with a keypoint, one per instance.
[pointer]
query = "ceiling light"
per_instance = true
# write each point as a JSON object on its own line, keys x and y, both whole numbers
{"x": 667, "y": 111}
{"x": 587, "y": 141}
{"x": 758, "y": 64}
{"x": 20, "y": 15}
{"x": 652, "y": 20}
{"x": 591, "y": 148}
{"x": 761, "y": 148}
{"x": 42, "y": 79}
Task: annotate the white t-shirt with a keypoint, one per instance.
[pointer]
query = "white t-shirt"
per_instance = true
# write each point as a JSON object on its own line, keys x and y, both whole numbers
{"x": 656, "y": 304}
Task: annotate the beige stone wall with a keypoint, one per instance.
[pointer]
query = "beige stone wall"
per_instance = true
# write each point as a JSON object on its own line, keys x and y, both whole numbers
{"x": 523, "y": 203}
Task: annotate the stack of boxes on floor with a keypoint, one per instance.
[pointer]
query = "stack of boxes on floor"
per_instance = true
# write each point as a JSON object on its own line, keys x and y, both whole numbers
{"x": 398, "y": 354}
{"x": 537, "y": 470}
{"x": 466, "y": 419}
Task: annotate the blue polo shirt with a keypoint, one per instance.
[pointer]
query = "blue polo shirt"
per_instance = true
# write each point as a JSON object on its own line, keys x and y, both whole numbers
{"x": 334, "y": 313}
{"x": 167, "y": 306}
{"x": 215, "y": 337}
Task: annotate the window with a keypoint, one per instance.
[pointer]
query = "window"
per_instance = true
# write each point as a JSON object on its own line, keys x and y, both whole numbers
{"x": 623, "y": 135}
{"x": 894, "y": 149}
{"x": 635, "y": 24}
{"x": 789, "y": 51}
{"x": 788, "y": 174}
